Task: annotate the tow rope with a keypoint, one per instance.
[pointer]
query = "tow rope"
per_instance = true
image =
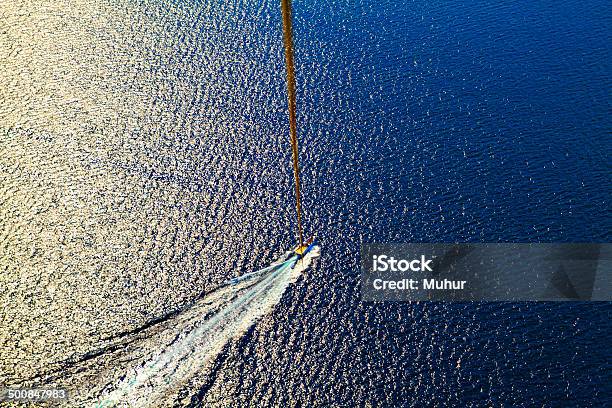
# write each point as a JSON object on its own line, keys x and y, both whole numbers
{"x": 288, "y": 40}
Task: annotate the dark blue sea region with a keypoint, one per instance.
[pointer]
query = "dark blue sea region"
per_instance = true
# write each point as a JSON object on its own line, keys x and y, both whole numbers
{"x": 145, "y": 160}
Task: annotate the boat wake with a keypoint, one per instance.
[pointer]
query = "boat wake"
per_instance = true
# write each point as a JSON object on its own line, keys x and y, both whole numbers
{"x": 188, "y": 342}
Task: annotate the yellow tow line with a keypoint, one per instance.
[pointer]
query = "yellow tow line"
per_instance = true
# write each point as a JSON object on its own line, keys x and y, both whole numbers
{"x": 288, "y": 39}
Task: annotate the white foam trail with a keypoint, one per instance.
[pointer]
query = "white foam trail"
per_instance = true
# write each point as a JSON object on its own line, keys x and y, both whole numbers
{"x": 201, "y": 336}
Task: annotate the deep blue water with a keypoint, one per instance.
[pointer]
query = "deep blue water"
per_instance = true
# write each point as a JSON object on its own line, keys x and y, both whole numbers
{"x": 441, "y": 122}
{"x": 160, "y": 128}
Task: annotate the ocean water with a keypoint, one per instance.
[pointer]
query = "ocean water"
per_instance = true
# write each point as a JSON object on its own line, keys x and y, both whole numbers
{"x": 145, "y": 159}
